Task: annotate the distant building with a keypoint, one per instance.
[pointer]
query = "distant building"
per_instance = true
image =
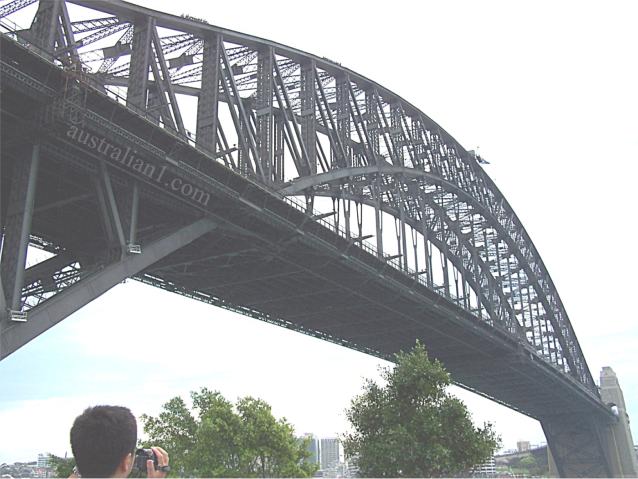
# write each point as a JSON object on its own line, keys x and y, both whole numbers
{"x": 523, "y": 446}
{"x": 329, "y": 453}
{"x": 352, "y": 467}
{"x": 44, "y": 460}
{"x": 487, "y": 469}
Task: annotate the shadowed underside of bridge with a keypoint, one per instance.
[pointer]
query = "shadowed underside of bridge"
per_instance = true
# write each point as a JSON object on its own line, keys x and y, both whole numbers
{"x": 308, "y": 196}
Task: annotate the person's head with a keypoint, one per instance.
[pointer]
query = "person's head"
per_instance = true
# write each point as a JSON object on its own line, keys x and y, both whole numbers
{"x": 103, "y": 441}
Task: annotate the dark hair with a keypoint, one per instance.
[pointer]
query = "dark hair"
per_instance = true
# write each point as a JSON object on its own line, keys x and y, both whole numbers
{"x": 101, "y": 437}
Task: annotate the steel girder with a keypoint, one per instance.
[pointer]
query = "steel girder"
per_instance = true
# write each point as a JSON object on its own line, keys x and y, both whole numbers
{"x": 429, "y": 213}
{"x": 296, "y": 117}
{"x": 14, "y": 335}
{"x": 18, "y": 226}
{"x": 444, "y": 234}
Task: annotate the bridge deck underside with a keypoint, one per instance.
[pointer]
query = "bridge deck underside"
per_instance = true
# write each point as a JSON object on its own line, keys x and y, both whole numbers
{"x": 274, "y": 262}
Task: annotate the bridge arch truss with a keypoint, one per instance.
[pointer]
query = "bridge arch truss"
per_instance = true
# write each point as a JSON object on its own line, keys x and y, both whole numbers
{"x": 362, "y": 159}
{"x": 304, "y": 125}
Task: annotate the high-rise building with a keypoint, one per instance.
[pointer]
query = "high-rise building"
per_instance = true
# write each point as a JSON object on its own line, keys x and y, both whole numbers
{"x": 313, "y": 448}
{"x": 329, "y": 453}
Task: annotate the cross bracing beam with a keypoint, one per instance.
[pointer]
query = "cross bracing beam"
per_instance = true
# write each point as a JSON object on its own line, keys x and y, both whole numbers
{"x": 14, "y": 6}
{"x": 83, "y": 26}
{"x": 14, "y": 335}
{"x": 42, "y": 271}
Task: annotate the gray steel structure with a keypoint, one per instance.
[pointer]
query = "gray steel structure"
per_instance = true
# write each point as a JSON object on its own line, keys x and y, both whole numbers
{"x": 99, "y": 169}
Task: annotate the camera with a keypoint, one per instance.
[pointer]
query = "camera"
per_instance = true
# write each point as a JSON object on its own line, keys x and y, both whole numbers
{"x": 141, "y": 456}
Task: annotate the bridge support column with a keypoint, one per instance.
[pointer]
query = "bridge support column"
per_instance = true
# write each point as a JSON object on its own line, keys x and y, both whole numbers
{"x": 14, "y": 335}
{"x": 617, "y": 439}
{"x": 583, "y": 445}
{"x": 576, "y": 446}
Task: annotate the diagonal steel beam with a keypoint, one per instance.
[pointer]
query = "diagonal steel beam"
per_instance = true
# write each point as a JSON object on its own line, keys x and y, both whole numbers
{"x": 54, "y": 310}
{"x": 245, "y": 133}
{"x": 135, "y": 206}
{"x": 3, "y": 304}
{"x": 18, "y": 227}
{"x": 360, "y": 126}
{"x": 336, "y": 144}
{"x": 111, "y": 204}
{"x": 305, "y": 162}
{"x": 68, "y": 37}
{"x": 174, "y": 107}
{"x": 287, "y": 130}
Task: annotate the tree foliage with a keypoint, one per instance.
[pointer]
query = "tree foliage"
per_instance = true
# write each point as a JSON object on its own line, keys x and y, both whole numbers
{"x": 219, "y": 439}
{"x": 62, "y": 466}
{"x": 530, "y": 465}
{"x": 412, "y": 427}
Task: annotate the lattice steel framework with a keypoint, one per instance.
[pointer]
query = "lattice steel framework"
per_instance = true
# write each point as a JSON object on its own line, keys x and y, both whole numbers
{"x": 344, "y": 137}
{"x": 362, "y": 160}
{"x": 354, "y": 156}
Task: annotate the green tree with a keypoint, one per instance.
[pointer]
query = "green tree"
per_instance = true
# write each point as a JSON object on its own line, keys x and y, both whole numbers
{"x": 62, "y": 466}
{"x": 529, "y": 465}
{"x": 528, "y": 462}
{"x": 411, "y": 426}
{"x": 219, "y": 439}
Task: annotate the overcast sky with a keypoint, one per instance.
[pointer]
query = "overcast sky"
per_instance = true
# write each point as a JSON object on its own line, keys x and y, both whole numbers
{"x": 545, "y": 90}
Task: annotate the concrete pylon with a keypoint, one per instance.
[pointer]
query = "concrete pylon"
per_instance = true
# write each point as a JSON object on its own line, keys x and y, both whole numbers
{"x": 586, "y": 445}
{"x": 618, "y": 437}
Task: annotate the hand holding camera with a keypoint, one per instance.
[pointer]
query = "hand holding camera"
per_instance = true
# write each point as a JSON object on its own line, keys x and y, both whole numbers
{"x": 153, "y": 461}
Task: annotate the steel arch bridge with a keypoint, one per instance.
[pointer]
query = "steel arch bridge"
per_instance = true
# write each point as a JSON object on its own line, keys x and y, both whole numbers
{"x": 266, "y": 180}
